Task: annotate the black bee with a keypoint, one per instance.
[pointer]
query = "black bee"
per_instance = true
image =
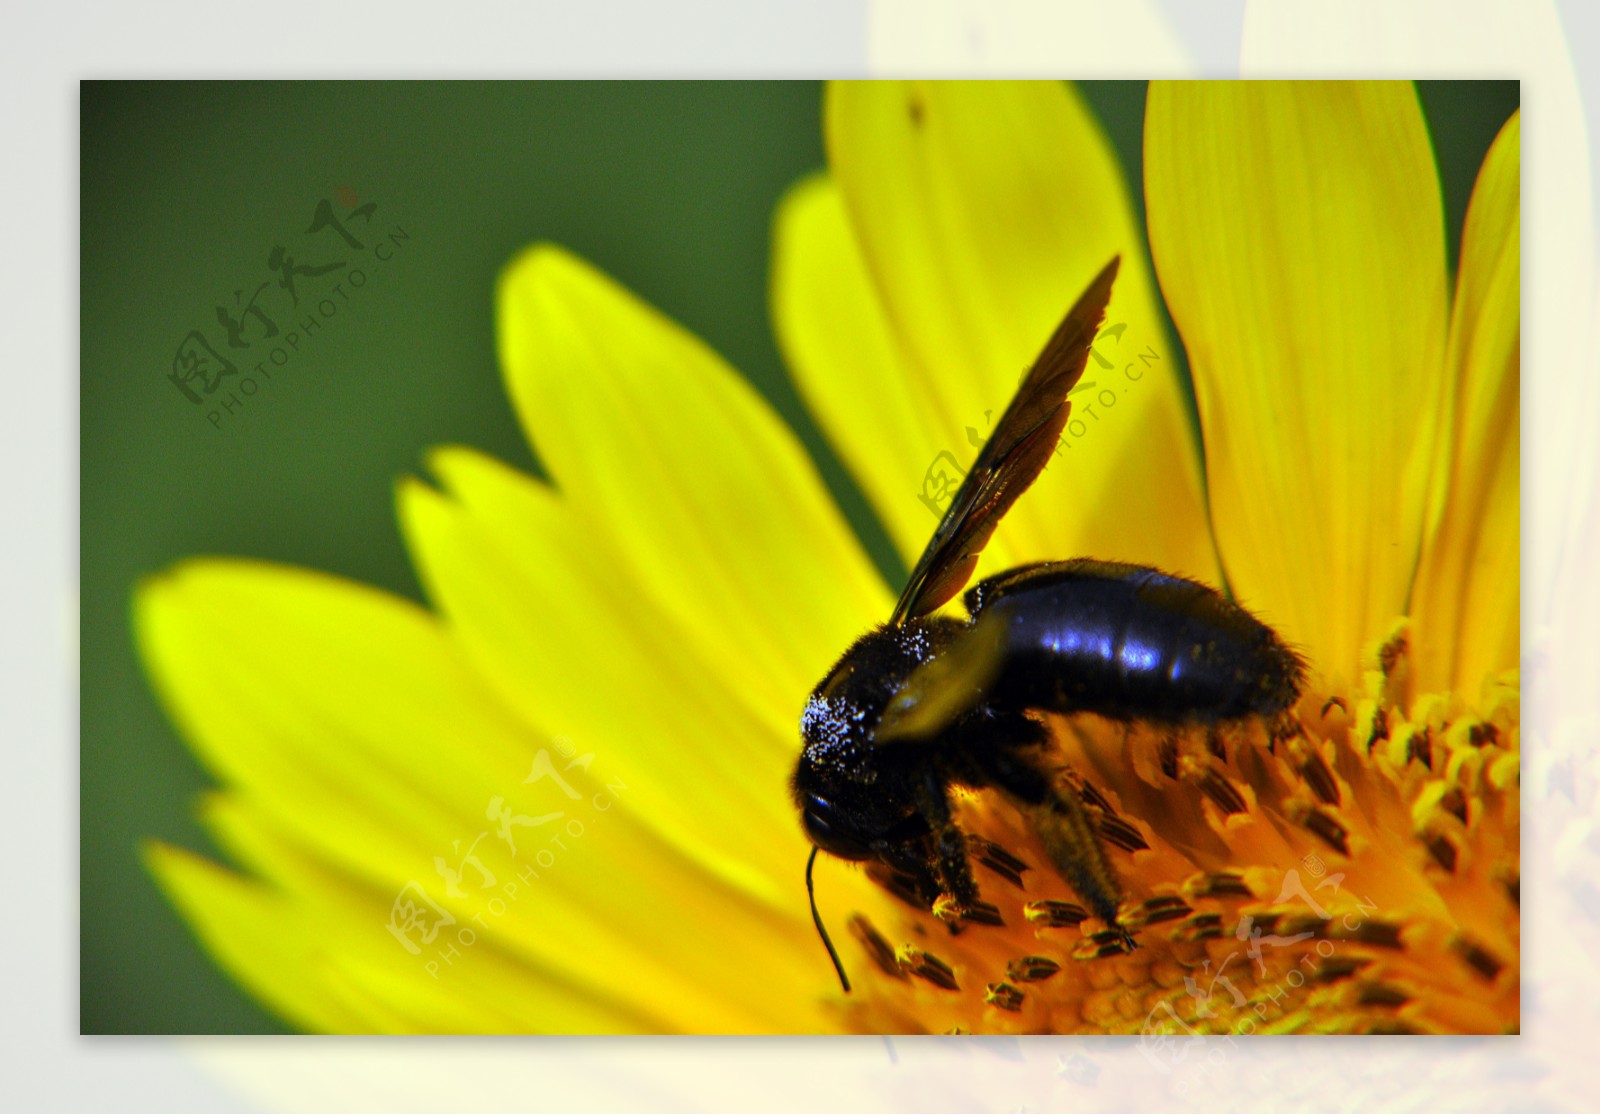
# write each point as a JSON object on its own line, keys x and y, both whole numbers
{"x": 926, "y": 701}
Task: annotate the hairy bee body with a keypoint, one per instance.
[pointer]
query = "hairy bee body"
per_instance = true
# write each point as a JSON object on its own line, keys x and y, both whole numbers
{"x": 1131, "y": 643}
{"x": 925, "y": 702}
{"x": 1127, "y": 642}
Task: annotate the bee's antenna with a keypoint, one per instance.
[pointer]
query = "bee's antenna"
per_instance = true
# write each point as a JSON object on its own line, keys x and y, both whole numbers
{"x": 816, "y": 917}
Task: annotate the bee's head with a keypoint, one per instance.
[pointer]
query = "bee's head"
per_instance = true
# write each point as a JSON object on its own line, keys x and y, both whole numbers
{"x": 830, "y": 831}
{"x": 851, "y": 793}
{"x": 842, "y": 809}
{"x": 855, "y": 797}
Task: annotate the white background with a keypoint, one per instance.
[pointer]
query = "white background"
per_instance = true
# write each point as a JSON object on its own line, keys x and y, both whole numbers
{"x": 44, "y": 1065}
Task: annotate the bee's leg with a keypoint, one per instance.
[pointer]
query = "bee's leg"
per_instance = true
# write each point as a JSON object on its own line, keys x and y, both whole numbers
{"x": 950, "y": 843}
{"x": 914, "y": 862}
{"x": 1063, "y": 824}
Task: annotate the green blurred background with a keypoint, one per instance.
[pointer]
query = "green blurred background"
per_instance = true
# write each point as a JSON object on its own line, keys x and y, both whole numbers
{"x": 186, "y": 189}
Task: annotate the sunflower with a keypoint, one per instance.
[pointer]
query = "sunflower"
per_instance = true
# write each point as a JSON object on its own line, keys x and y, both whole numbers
{"x": 555, "y": 802}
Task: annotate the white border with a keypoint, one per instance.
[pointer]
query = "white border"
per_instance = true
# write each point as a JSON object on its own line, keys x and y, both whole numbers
{"x": 47, "y": 50}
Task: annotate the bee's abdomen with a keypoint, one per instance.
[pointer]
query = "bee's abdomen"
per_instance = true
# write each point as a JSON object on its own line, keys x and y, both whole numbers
{"x": 1130, "y": 642}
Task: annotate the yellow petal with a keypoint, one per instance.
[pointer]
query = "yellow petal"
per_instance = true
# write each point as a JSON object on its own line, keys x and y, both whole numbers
{"x": 1297, "y": 231}
{"x": 536, "y": 598}
{"x": 264, "y": 666}
{"x": 323, "y": 942}
{"x": 544, "y": 536}
{"x": 847, "y": 364}
{"x": 369, "y": 753}
{"x": 255, "y": 935}
{"x": 1467, "y": 595}
{"x": 563, "y": 639}
{"x": 982, "y": 211}
{"x": 664, "y": 450}
{"x": 524, "y": 954}
{"x": 354, "y": 726}
{"x": 477, "y": 988}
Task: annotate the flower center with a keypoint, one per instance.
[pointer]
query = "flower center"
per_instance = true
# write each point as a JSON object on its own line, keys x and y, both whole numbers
{"x": 1353, "y": 869}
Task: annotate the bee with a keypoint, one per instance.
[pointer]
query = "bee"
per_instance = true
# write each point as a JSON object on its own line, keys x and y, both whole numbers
{"x": 926, "y": 702}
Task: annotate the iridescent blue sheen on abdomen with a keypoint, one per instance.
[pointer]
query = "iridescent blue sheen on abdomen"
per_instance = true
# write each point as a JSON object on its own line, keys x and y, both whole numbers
{"x": 1131, "y": 643}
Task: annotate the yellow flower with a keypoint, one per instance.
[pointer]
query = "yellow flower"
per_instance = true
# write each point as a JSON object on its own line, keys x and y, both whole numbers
{"x": 558, "y": 804}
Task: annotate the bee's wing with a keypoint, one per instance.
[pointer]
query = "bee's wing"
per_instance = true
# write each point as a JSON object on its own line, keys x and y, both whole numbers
{"x": 948, "y": 684}
{"x": 1011, "y": 459}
